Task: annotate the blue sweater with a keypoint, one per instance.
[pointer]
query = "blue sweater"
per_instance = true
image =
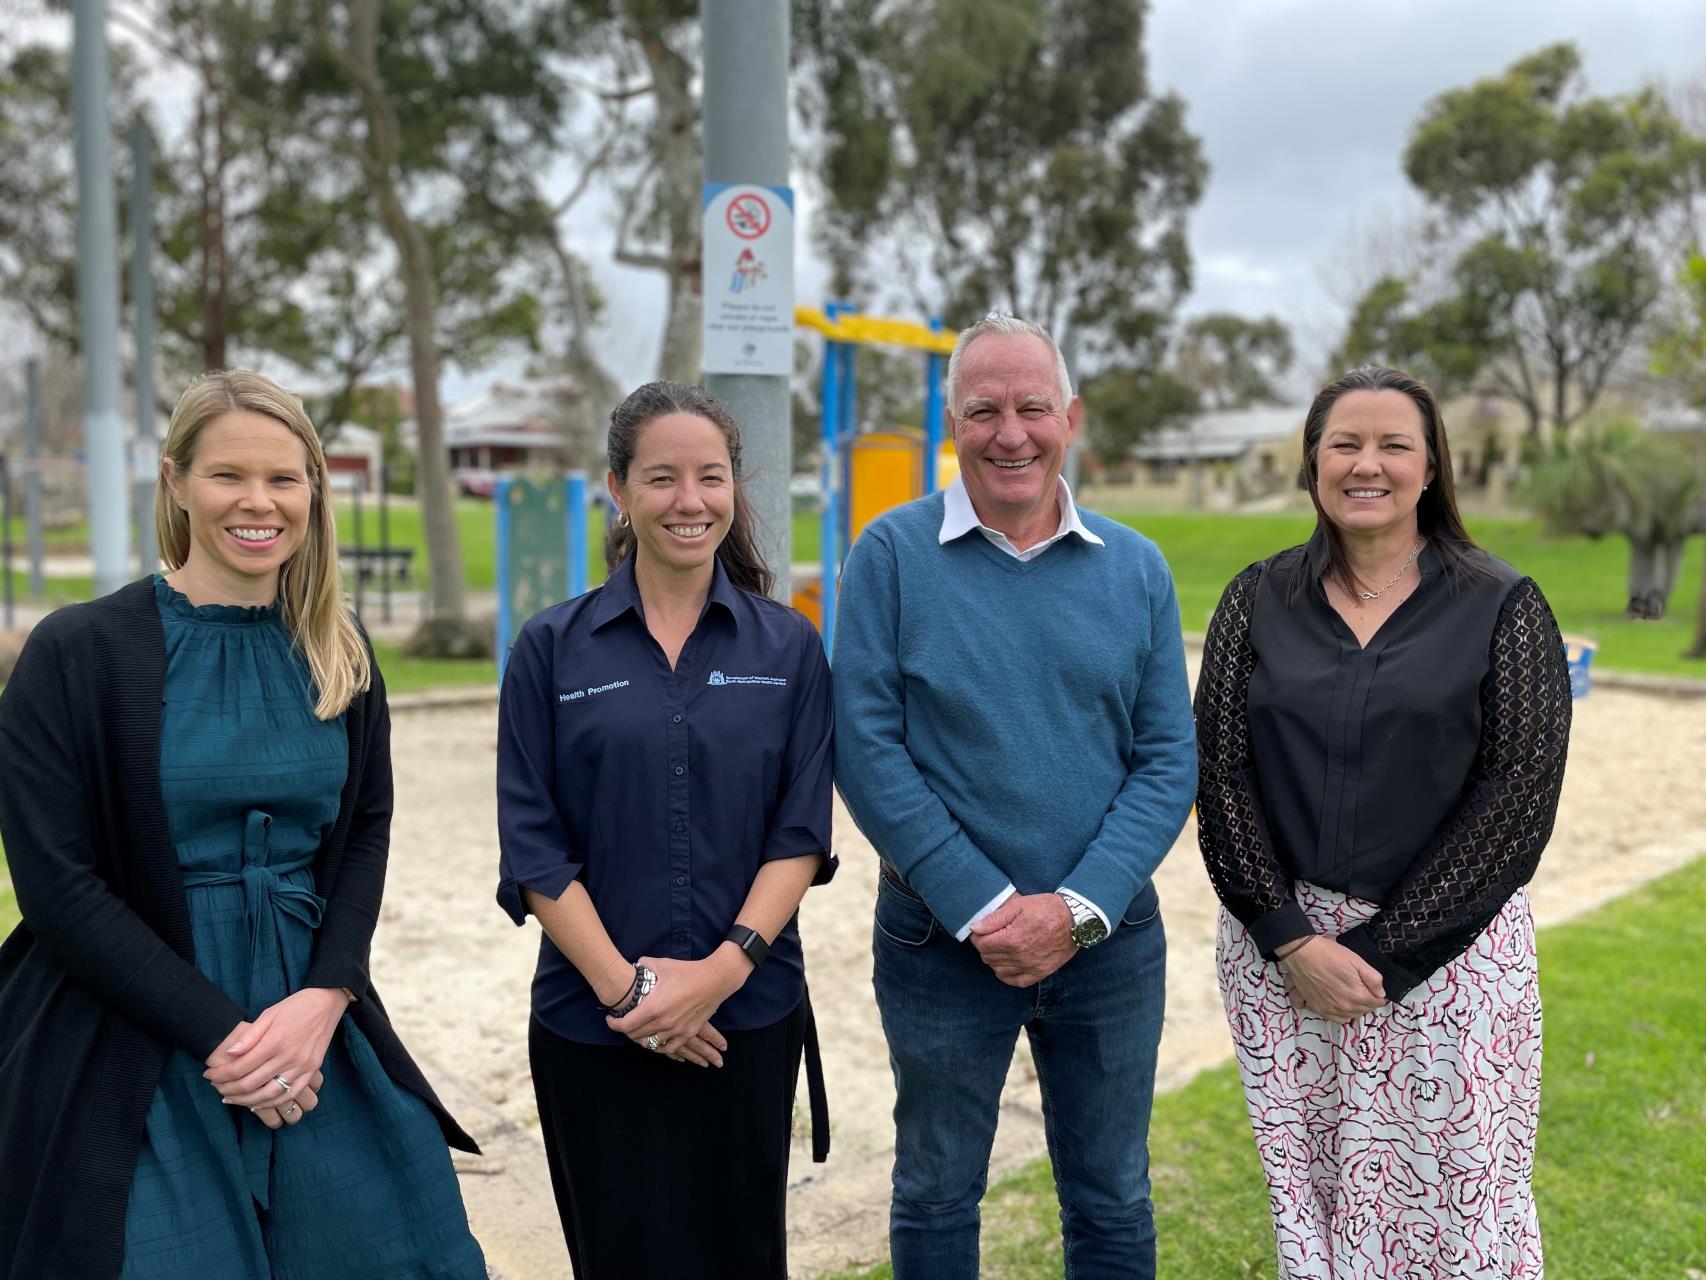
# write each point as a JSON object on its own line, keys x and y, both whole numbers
{"x": 999, "y": 721}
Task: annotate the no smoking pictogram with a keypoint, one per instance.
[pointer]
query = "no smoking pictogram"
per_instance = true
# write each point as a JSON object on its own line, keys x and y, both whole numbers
{"x": 749, "y": 216}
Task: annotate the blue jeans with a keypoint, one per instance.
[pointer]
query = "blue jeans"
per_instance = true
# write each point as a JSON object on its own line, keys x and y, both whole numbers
{"x": 951, "y": 1025}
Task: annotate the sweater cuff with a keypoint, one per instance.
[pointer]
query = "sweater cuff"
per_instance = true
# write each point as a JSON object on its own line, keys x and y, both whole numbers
{"x": 1274, "y": 930}
{"x": 1398, "y": 980}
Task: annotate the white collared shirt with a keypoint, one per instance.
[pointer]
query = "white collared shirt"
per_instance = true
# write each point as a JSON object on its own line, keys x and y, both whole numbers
{"x": 959, "y": 518}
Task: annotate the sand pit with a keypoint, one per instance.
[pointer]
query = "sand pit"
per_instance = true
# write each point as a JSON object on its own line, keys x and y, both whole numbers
{"x": 454, "y": 972}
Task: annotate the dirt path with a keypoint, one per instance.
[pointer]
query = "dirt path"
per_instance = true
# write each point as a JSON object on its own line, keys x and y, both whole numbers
{"x": 454, "y": 972}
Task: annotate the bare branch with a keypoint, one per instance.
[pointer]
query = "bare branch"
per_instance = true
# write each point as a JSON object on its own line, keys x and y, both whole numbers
{"x": 622, "y": 94}
{"x": 648, "y": 261}
{"x": 585, "y": 182}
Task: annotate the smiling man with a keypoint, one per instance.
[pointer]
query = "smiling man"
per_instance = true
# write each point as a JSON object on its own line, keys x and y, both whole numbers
{"x": 1014, "y": 735}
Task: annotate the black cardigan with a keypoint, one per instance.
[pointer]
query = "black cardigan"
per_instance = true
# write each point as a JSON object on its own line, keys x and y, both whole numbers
{"x": 98, "y": 984}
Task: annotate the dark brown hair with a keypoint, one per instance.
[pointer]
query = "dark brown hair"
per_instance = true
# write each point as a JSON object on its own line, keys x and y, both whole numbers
{"x": 1436, "y": 513}
{"x": 645, "y": 405}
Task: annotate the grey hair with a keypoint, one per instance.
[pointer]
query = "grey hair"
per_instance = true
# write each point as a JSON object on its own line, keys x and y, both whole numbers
{"x": 1000, "y": 322}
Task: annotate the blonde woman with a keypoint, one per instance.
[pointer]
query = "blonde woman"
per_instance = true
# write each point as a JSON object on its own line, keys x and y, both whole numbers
{"x": 196, "y": 1078}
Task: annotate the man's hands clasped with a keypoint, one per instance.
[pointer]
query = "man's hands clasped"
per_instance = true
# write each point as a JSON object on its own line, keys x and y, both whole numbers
{"x": 272, "y": 1065}
{"x": 1026, "y": 938}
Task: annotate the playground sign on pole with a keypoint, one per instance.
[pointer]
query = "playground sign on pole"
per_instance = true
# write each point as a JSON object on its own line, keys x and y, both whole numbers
{"x": 749, "y": 279}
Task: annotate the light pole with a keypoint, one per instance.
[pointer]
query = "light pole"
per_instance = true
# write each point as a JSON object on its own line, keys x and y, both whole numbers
{"x": 746, "y": 141}
{"x": 97, "y": 301}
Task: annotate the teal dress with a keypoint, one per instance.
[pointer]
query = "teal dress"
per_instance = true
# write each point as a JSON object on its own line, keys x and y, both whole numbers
{"x": 362, "y": 1187}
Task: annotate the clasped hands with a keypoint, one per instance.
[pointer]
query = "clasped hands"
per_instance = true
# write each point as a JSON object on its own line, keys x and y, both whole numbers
{"x": 1328, "y": 978}
{"x": 1026, "y": 938}
{"x": 678, "y": 1010}
{"x": 286, "y": 1042}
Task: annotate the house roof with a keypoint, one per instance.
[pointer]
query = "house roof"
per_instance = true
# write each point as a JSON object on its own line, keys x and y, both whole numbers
{"x": 528, "y": 414}
{"x": 1222, "y": 433}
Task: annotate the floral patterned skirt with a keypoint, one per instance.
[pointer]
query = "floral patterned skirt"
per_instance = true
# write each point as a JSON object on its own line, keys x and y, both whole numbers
{"x": 1399, "y": 1146}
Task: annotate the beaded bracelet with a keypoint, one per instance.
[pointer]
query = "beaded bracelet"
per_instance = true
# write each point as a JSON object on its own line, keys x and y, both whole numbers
{"x": 644, "y": 981}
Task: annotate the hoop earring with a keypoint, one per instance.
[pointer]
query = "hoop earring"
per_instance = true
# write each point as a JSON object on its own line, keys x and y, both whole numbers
{"x": 622, "y": 520}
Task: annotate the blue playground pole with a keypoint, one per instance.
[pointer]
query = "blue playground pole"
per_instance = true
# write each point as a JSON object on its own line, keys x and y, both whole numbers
{"x": 933, "y": 367}
{"x": 576, "y": 532}
{"x": 506, "y": 607}
{"x": 829, "y": 523}
{"x": 847, "y": 424}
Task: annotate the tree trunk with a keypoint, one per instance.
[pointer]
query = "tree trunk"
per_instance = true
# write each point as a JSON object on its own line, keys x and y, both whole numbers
{"x": 446, "y": 632}
{"x": 676, "y": 137}
{"x": 1653, "y": 566}
{"x": 1698, "y": 648}
{"x": 589, "y": 418}
{"x": 438, "y": 509}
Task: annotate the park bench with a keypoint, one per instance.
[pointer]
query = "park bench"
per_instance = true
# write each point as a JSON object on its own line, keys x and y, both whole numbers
{"x": 384, "y": 564}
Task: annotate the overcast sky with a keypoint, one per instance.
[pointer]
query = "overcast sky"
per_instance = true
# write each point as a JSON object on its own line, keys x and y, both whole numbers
{"x": 1303, "y": 107}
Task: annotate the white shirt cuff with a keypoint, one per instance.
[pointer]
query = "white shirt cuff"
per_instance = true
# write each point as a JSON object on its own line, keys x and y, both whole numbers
{"x": 994, "y": 902}
{"x": 1100, "y": 914}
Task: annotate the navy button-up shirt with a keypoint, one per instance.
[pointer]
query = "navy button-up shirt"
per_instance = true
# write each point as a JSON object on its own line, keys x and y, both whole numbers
{"x": 662, "y": 791}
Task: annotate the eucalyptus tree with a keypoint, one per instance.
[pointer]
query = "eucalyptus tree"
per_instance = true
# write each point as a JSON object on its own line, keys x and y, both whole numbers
{"x": 1551, "y": 212}
{"x": 435, "y": 114}
{"x": 1004, "y": 154}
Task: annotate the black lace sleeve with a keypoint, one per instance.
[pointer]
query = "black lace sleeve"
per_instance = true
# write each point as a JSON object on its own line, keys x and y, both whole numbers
{"x": 1490, "y": 846}
{"x": 1230, "y": 828}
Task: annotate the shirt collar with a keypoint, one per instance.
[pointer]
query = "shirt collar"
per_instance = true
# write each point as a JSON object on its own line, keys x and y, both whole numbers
{"x": 621, "y": 593}
{"x": 959, "y": 517}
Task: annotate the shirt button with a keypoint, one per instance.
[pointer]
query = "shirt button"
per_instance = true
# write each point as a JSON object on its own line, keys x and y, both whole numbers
{"x": 681, "y": 938}
{"x": 680, "y": 879}
{"x": 680, "y": 826}
{"x": 679, "y": 771}
{"x": 677, "y": 719}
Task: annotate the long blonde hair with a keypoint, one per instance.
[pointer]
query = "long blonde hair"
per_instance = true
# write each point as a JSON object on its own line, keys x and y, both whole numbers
{"x": 310, "y": 590}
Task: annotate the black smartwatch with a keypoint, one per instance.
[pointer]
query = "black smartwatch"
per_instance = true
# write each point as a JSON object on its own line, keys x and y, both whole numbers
{"x": 755, "y": 948}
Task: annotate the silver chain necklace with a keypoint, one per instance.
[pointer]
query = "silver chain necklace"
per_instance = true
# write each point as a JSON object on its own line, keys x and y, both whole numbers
{"x": 1402, "y": 569}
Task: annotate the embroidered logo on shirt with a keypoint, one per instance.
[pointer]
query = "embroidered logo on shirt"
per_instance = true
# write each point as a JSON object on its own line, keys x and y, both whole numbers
{"x": 718, "y": 678}
{"x": 578, "y": 694}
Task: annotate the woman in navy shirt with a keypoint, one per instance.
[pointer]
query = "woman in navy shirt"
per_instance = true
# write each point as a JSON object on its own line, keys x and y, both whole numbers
{"x": 664, "y": 776}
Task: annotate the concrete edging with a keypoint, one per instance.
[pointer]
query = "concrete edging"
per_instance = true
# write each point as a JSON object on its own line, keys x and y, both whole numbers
{"x": 440, "y": 699}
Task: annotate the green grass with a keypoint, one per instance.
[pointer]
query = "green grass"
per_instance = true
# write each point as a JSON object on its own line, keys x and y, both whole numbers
{"x": 1622, "y": 1150}
{"x": 408, "y": 675}
{"x": 1583, "y": 578}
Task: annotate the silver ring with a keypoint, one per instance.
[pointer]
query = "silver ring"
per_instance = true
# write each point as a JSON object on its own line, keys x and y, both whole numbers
{"x": 290, "y": 1108}
{"x": 282, "y": 1083}
{"x": 652, "y": 1043}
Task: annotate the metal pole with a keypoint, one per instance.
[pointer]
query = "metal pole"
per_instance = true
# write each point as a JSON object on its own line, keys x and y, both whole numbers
{"x": 575, "y": 518}
{"x": 97, "y": 301}
{"x": 829, "y": 525}
{"x": 934, "y": 366}
{"x": 506, "y": 596}
{"x": 142, "y": 306}
{"x": 34, "y": 534}
{"x": 384, "y": 532}
{"x": 360, "y": 553}
{"x": 745, "y": 108}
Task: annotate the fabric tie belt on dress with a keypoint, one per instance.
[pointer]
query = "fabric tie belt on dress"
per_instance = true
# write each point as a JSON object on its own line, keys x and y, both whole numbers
{"x": 266, "y": 896}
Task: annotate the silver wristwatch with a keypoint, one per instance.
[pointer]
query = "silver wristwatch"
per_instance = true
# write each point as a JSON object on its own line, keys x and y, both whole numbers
{"x": 1087, "y": 926}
